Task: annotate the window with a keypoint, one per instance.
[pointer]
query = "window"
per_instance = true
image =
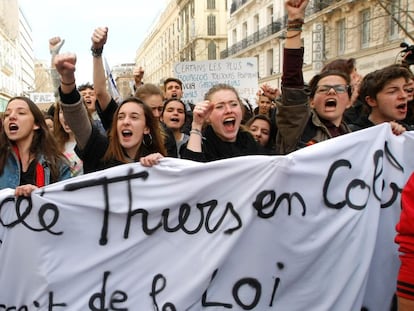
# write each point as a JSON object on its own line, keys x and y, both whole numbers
{"x": 256, "y": 28}
{"x": 244, "y": 30}
{"x": 192, "y": 51}
{"x": 256, "y": 22}
{"x": 394, "y": 15}
{"x": 212, "y": 51}
{"x": 269, "y": 61}
{"x": 192, "y": 9}
{"x": 319, "y": 5}
{"x": 233, "y": 6}
{"x": 211, "y": 25}
{"x": 234, "y": 36}
{"x": 211, "y": 4}
{"x": 341, "y": 36}
{"x": 365, "y": 27}
{"x": 269, "y": 13}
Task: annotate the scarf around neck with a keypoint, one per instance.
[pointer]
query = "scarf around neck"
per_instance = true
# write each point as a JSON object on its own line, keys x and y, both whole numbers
{"x": 40, "y": 171}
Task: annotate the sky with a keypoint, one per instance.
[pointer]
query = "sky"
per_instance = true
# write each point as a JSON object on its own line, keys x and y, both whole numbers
{"x": 128, "y": 21}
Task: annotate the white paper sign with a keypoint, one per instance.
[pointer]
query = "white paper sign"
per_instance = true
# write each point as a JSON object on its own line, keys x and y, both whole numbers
{"x": 199, "y": 76}
{"x": 313, "y": 230}
{"x": 42, "y": 98}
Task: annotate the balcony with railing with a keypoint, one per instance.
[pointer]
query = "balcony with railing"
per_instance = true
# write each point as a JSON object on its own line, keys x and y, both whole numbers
{"x": 237, "y": 4}
{"x": 319, "y": 5}
{"x": 316, "y": 6}
{"x": 271, "y": 29}
{"x": 254, "y": 38}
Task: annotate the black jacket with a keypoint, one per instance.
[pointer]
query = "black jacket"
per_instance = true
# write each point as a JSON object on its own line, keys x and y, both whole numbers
{"x": 363, "y": 122}
{"x": 107, "y": 116}
{"x": 216, "y": 149}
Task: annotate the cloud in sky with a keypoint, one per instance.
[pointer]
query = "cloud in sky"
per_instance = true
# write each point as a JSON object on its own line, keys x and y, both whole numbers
{"x": 129, "y": 22}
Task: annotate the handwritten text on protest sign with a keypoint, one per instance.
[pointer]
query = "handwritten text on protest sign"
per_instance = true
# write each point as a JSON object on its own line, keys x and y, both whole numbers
{"x": 199, "y": 76}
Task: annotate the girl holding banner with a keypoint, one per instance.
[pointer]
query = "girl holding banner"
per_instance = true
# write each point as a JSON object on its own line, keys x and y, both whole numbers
{"x": 134, "y": 135}
{"x": 223, "y": 137}
{"x": 29, "y": 156}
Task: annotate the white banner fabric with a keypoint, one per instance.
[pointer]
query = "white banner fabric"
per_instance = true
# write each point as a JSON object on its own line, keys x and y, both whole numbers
{"x": 313, "y": 230}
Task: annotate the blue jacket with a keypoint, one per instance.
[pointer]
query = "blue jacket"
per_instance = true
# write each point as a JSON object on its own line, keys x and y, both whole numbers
{"x": 11, "y": 172}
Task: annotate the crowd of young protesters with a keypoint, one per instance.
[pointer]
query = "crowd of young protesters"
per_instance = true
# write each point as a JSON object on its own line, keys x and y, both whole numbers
{"x": 89, "y": 130}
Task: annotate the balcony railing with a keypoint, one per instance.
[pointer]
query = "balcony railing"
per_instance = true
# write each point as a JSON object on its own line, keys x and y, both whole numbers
{"x": 237, "y": 4}
{"x": 270, "y": 29}
{"x": 259, "y": 35}
{"x": 318, "y": 5}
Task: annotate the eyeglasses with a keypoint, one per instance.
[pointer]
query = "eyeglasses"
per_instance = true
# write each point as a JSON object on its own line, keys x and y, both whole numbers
{"x": 409, "y": 90}
{"x": 338, "y": 88}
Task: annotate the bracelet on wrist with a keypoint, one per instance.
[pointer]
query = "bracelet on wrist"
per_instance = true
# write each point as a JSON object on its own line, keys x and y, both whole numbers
{"x": 294, "y": 29}
{"x": 296, "y": 21}
{"x": 294, "y": 36}
{"x": 295, "y": 24}
{"x": 197, "y": 132}
{"x": 97, "y": 52}
{"x": 67, "y": 83}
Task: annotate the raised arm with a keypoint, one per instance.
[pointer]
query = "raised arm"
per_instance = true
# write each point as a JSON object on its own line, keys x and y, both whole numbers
{"x": 293, "y": 53}
{"x": 74, "y": 110}
{"x": 293, "y": 110}
{"x": 296, "y": 14}
{"x": 99, "y": 38}
{"x": 138, "y": 76}
{"x": 200, "y": 114}
{"x": 195, "y": 143}
{"x": 55, "y": 44}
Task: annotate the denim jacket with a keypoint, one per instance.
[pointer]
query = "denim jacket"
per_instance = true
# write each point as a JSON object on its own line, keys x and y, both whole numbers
{"x": 11, "y": 172}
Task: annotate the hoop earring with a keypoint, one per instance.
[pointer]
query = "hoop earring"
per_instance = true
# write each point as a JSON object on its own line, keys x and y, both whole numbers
{"x": 147, "y": 137}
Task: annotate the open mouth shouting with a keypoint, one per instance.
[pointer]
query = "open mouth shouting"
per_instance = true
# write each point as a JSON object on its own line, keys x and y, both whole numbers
{"x": 402, "y": 108}
{"x": 13, "y": 128}
{"x": 174, "y": 120}
{"x": 229, "y": 123}
{"x": 88, "y": 102}
{"x": 330, "y": 103}
{"x": 126, "y": 133}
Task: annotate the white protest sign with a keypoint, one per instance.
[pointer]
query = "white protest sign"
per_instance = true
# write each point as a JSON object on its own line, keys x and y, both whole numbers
{"x": 199, "y": 76}
{"x": 312, "y": 230}
{"x": 42, "y": 98}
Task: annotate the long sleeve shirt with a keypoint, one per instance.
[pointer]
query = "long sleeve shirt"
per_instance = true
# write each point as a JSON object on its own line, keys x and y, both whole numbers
{"x": 405, "y": 238}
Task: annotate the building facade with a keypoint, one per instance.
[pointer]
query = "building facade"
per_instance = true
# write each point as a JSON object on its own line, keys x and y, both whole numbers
{"x": 124, "y": 78}
{"x": 187, "y": 30}
{"x": 333, "y": 29}
{"x": 360, "y": 29}
{"x": 16, "y": 53}
{"x": 26, "y": 53}
{"x": 43, "y": 78}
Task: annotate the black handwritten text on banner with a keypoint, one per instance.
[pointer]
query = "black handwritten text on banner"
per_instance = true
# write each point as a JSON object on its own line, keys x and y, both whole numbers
{"x": 306, "y": 231}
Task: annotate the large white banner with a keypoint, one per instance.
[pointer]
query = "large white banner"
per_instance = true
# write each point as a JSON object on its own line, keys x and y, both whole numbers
{"x": 313, "y": 230}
